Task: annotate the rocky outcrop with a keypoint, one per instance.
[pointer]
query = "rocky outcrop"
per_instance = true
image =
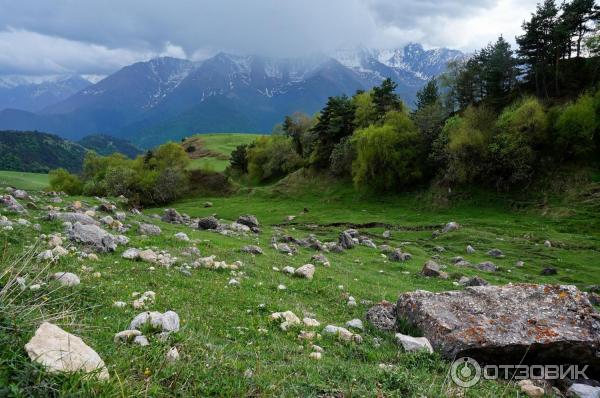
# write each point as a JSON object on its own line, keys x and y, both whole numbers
{"x": 504, "y": 324}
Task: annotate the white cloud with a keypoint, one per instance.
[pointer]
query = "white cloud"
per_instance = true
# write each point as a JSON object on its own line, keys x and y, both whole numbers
{"x": 99, "y": 36}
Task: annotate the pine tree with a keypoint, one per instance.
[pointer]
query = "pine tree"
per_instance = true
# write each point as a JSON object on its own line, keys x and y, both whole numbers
{"x": 385, "y": 98}
{"x": 428, "y": 95}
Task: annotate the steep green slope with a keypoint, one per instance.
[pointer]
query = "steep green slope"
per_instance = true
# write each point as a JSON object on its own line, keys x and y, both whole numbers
{"x": 37, "y": 152}
{"x": 106, "y": 145}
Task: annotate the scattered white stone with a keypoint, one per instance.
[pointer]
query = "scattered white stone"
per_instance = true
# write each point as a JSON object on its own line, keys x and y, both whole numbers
{"x": 315, "y": 355}
{"x": 470, "y": 249}
{"x": 355, "y": 324}
{"x": 172, "y": 355}
{"x": 66, "y": 278}
{"x": 306, "y": 271}
{"x": 288, "y": 270}
{"x": 288, "y": 318}
{"x": 182, "y": 236}
{"x": 411, "y": 344}
{"x": 583, "y": 391}
{"x": 59, "y": 351}
{"x": 126, "y": 336}
{"x": 531, "y": 390}
{"x": 131, "y": 254}
{"x": 119, "y": 304}
{"x": 141, "y": 341}
{"x": 281, "y": 287}
{"x": 46, "y": 255}
{"x": 548, "y": 243}
{"x": 233, "y": 282}
{"x": 311, "y": 322}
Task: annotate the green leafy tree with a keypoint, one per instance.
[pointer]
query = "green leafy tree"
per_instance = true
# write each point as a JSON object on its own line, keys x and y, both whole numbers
{"x": 388, "y": 157}
{"x": 63, "y": 181}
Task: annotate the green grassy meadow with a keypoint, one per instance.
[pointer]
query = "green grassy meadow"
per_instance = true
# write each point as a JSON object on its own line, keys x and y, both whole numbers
{"x": 21, "y": 180}
{"x": 220, "y": 143}
{"x": 227, "y": 343}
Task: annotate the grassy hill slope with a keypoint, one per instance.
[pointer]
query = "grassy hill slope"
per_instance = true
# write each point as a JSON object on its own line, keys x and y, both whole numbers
{"x": 211, "y": 151}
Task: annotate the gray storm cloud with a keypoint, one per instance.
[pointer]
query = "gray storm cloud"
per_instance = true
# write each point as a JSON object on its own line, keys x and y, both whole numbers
{"x": 98, "y": 36}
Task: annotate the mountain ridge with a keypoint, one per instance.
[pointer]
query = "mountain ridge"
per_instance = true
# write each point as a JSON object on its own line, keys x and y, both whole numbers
{"x": 168, "y": 98}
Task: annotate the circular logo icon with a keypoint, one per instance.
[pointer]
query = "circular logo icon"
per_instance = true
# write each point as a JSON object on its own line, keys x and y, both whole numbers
{"x": 465, "y": 372}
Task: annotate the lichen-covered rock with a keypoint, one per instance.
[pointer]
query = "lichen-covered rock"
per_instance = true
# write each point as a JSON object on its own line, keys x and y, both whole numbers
{"x": 345, "y": 240}
{"x": 12, "y": 204}
{"x": 306, "y": 271}
{"x": 383, "y": 316}
{"x": 252, "y": 249}
{"x": 544, "y": 324}
{"x": 149, "y": 229}
{"x": 59, "y": 351}
{"x": 92, "y": 235}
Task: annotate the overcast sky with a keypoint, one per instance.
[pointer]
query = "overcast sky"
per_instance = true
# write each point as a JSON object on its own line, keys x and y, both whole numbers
{"x": 100, "y": 36}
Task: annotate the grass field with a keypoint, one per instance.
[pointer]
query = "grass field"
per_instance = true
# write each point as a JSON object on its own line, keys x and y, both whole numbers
{"x": 220, "y": 143}
{"x": 228, "y": 345}
{"x": 20, "y": 180}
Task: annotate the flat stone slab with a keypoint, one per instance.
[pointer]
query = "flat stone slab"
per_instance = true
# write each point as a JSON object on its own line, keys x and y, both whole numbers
{"x": 544, "y": 324}
{"x": 59, "y": 351}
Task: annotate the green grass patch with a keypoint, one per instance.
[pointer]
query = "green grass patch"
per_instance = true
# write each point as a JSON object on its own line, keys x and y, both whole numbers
{"x": 21, "y": 180}
{"x": 220, "y": 144}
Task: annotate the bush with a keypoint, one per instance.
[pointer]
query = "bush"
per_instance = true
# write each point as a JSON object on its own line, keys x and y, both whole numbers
{"x": 62, "y": 180}
{"x": 156, "y": 178}
{"x": 468, "y": 138}
{"x": 388, "y": 157}
{"x": 576, "y": 127}
{"x": 272, "y": 157}
{"x": 342, "y": 156}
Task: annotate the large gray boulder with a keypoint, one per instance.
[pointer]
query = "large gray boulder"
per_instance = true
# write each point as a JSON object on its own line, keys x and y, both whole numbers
{"x": 92, "y": 235}
{"x": 248, "y": 220}
{"x": 172, "y": 216}
{"x": 208, "y": 223}
{"x": 345, "y": 240}
{"x": 542, "y": 324}
{"x": 73, "y": 218}
{"x": 149, "y": 229}
{"x": 12, "y": 204}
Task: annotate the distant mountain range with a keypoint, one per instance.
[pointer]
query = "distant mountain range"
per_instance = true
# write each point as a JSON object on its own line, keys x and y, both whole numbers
{"x": 35, "y": 94}
{"x": 167, "y": 98}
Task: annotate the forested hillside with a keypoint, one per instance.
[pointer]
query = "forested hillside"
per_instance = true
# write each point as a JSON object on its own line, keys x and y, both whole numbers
{"x": 38, "y": 152}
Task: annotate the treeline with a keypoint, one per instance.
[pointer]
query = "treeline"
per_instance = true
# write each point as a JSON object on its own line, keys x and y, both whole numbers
{"x": 498, "y": 119}
{"x": 156, "y": 178}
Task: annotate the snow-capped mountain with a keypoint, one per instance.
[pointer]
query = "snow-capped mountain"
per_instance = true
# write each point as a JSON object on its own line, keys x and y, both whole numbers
{"x": 33, "y": 93}
{"x": 168, "y": 98}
